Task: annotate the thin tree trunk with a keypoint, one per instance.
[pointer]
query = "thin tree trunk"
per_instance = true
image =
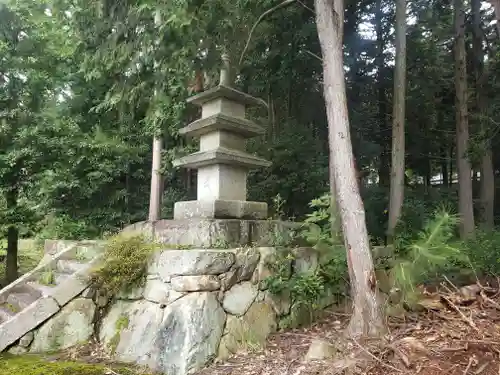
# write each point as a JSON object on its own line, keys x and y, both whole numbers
{"x": 367, "y": 318}
{"x": 11, "y": 269}
{"x": 487, "y": 175}
{"x": 462, "y": 126}
{"x": 155, "y": 194}
{"x": 384, "y": 142}
{"x": 398, "y": 123}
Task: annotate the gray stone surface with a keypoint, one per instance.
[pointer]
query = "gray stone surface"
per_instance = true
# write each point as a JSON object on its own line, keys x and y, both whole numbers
{"x": 195, "y": 283}
{"x": 26, "y": 320}
{"x": 249, "y": 331}
{"x": 238, "y": 299}
{"x": 129, "y": 330}
{"x": 319, "y": 350}
{"x": 207, "y": 232}
{"x": 131, "y": 295}
{"x": 190, "y": 334}
{"x": 306, "y": 260}
{"x": 27, "y": 339}
{"x": 192, "y": 262}
{"x": 159, "y": 292}
{"x": 71, "y": 326}
{"x": 220, "y": 209}
{"x": 246, "y": 262}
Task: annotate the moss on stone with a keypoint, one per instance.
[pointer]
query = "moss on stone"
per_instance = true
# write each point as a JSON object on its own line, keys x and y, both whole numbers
{"x": 121, "y": 324}
{"x": 35, "y": 365}
{"x": 47, "y": 278}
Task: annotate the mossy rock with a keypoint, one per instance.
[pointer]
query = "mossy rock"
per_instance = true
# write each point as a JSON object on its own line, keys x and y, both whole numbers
{"x": 34, "y": 365}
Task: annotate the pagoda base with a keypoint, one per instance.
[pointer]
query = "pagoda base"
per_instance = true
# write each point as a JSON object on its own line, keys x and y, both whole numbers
{"x": 220, "y": 209}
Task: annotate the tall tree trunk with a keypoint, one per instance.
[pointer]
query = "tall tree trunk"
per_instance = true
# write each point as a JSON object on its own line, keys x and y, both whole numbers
{"x": 367, "y": 318}
{"x": 462, "y": 126}
{"x": 398, "y": 123}
{"x": 156, "y": 178}
{"x": 11, "y": 270}
{"x": 384, "y": 141}
{"x": 487, "y": 178}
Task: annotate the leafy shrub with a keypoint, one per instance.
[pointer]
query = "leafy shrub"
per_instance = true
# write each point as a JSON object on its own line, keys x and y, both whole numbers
{"x": 484, "y": 252}
{"x": 124, "y": 265}
{"x": 429, "y": 255}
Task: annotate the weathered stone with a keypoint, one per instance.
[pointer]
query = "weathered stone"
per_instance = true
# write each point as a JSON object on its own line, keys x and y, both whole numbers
{"x": 320, "y": 349}
{"x": 17, "y": 350}
{"x": 195, "y": 283}
{"x": 159, "y": 292}
{"x": 220, "y": 209}
{"x": 101, "y": 298}
{"x": 130, "y": 329}
{"x": 71, "y": 326}
{"x": 176, "y": 340}
{"x": 246, "y": 262}
{"x": 268, "y": 257}
{"x": 207, "y": 232}
{"x": 131, "y": 295}
{"x": 228, "y": 279}
{"x": 193, "y": 262}
{"x": 27, "y": 339}
{"x": 250, "y": 330}
{"x": 26, "y": 320}
{"x": 238, "y": 299}
{"x": 306, "y": 260}
{"x": 280, "y": 303}
{"x": 190, "y": 334}
{"x": 89, "y": 293}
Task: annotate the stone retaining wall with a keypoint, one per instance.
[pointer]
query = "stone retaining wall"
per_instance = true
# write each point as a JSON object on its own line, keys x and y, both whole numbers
{"x": 196, "y": 305}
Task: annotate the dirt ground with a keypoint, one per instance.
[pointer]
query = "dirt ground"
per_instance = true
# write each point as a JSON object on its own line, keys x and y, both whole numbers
{"x": 457, "y": 333}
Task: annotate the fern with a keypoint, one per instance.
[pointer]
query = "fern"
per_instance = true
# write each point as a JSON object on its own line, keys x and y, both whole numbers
{"x": 429, "y": 253}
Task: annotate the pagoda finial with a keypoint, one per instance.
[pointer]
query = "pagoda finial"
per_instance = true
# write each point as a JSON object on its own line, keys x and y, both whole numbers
{"x": 225, "y": 72}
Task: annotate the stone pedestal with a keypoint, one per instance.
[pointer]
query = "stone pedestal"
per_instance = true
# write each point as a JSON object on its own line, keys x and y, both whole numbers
{"x": 222, "y": 161}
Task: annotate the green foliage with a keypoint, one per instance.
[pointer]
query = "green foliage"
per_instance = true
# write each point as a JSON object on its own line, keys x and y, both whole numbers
{"x": 484, "y": 252}
{"x": 124, "y": 265}
{"x": 427, "y": 256}
{"x": 304, "y": 288}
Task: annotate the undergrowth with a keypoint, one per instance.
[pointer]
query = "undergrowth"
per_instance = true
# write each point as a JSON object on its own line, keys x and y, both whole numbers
{"x": 125, "y": 263}
{"x": 422, "y": 255}
{"x": 34, "y": 365}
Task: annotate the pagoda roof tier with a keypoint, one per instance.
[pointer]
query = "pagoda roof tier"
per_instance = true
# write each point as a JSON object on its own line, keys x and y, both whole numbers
{"x": 226, "y": 92}
{"x": 220, "y": 121}
{"x": 221, "y": 155}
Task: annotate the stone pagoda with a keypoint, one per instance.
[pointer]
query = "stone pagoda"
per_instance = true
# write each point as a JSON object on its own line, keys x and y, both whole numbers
{"x": 222, "y": 161}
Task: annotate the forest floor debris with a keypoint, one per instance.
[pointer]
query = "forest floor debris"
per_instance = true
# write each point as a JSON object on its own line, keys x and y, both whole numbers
{"x": 457, "y": 333}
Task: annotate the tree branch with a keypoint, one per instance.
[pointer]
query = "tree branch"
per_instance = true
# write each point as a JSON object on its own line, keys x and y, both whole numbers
{"x": 259, "y": 20}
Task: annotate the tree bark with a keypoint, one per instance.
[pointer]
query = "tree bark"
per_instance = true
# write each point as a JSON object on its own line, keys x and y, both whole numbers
{"x": 462, "y": 126}
{"x": 398, "y": 123}
{"x": 156, "y": 178}
{"x": 384, "y": 134}
{"x": 487, "y": 175}
{"x": 367, "y": 318}
{"x": 11, "y": 269}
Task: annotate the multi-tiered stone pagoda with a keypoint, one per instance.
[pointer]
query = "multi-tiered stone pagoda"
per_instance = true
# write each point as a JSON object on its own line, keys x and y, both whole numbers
{"x": 222, "y": 161}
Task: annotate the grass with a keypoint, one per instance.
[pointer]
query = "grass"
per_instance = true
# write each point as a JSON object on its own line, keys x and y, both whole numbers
{"x": 29, "y": 255}
{"x": 35, "y": 365}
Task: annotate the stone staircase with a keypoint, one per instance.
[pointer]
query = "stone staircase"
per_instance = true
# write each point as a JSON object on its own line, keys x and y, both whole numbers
{"x": 41, "y": 293}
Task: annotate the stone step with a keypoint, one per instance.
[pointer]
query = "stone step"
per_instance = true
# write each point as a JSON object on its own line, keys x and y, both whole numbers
{"x": 68, "y": 266}
{"x": 5, "y": 313}
{"x": 82, "y": 253}
{"x": 47, "y": 289}
{"x": 22, "y": 300}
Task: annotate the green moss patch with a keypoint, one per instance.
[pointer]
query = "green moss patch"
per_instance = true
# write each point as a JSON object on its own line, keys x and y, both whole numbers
{"x": 124, "y": 265}
{"x": 34, "y": 365}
